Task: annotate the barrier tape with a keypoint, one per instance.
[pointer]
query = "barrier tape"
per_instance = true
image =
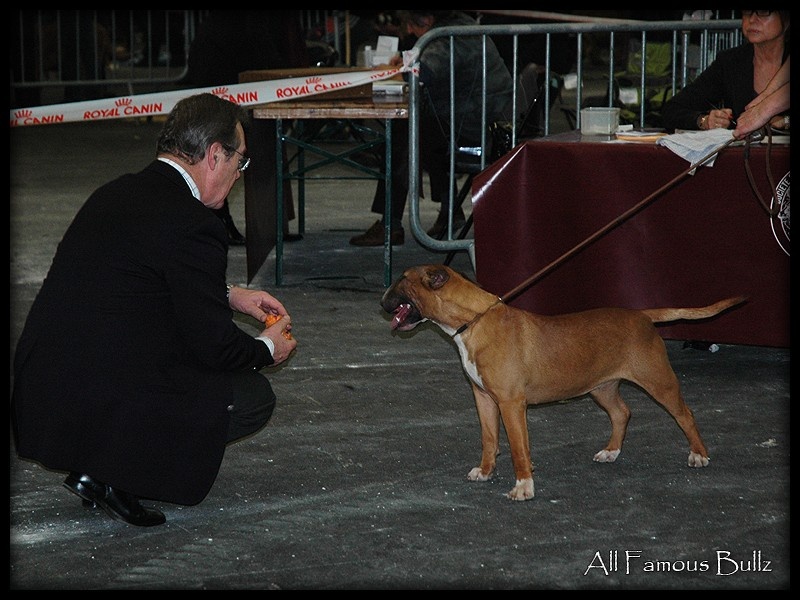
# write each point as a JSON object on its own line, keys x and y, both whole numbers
{"x": 161, "y": 103}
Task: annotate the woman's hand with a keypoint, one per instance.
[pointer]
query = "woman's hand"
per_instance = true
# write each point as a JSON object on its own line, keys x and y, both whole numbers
{"x": 719, "y": 118}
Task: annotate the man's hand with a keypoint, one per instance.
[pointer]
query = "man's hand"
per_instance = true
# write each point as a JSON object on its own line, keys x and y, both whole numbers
{"x": 283, "y": 340}
{"x": 256, "y": 303}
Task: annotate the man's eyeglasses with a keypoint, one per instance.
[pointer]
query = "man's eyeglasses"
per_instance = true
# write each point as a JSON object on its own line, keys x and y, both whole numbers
{"x": 758, "y": 13}
{"x": 244, "y": 161}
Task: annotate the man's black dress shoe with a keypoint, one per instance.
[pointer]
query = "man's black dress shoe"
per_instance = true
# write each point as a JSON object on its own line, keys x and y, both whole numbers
{"x": 119, "y": 505}
{"x": 79, "y": 485}
{"x": 236, "y": 239}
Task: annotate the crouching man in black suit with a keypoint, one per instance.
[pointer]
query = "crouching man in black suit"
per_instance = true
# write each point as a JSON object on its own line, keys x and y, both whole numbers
{"x": 130, "y": 373}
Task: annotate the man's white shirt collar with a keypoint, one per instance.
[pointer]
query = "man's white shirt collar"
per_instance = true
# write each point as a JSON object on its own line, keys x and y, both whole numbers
{"x": 189, "y": 181}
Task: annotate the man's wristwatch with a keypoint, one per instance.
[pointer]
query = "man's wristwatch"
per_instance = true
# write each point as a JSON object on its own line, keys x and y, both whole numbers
{"x": 701, "y": 121}
{"x": 228, "y": 288}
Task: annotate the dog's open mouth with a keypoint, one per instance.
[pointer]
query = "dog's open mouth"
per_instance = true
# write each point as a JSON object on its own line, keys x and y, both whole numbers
{"x": 405, "y": 317}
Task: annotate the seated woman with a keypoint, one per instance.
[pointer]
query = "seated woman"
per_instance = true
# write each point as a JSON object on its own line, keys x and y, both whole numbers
{"x": 740, "y": 80}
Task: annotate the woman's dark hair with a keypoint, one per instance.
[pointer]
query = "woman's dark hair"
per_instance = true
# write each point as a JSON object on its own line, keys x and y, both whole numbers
{"x": 787, "y": 28}
{"x": 197, "y": 122}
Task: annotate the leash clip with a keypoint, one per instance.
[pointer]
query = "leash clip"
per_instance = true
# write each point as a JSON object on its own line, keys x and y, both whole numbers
{"x": 757, "y": 135}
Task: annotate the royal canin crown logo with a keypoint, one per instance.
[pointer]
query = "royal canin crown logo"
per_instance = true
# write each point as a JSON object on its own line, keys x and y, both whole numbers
{"x": 315, "y": 79}
{"x": 123, "y": 102}
{"x": 23, "y": 114}
{"x": 220, "y": 91}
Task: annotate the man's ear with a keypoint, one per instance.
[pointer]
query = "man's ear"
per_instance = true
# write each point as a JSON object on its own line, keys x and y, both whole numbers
{"x": 214, "y": 154}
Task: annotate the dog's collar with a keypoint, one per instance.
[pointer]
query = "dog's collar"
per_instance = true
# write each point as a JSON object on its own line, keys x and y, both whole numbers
{"x": 463, "y": 328}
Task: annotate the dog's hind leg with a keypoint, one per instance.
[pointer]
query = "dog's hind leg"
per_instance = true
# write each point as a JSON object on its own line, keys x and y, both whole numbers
{"x": 662, "y": 384}
{"x": 607, "y": 397}
{"x": 489, "y": 416}
{"x": 670, "y": 397}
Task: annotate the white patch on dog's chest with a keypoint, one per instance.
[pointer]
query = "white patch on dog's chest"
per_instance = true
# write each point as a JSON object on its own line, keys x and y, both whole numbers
{"x": 469, "y": 367}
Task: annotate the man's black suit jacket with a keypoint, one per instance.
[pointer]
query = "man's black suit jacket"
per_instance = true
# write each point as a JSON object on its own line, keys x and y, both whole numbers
{"x": 122, "y": 369}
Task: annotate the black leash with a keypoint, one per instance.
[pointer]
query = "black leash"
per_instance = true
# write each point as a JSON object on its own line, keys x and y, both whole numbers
{"x": 603, "y": 230}
{"x": 772, "y": 212}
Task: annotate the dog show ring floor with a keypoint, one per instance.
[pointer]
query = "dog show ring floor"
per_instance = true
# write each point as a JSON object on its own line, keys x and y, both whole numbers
{"x": 359, "y": 481}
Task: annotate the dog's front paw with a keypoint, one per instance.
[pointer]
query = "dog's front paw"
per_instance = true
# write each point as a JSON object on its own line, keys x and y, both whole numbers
{"x": 523, "y": 490}
{"x": 606, "y": 456}
{"x": 697, "y": 460}
{"x": 477, "y": 475}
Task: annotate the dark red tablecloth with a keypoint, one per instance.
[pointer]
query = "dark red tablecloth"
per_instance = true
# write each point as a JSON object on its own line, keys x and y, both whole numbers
{"x": 706, "y": 238}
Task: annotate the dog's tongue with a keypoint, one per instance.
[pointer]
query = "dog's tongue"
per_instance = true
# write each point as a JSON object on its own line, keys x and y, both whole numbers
{"x": 400, "y": 314}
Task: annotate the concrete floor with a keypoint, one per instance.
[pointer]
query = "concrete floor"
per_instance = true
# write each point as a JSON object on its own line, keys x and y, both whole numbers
{"x": 359, "y": 480}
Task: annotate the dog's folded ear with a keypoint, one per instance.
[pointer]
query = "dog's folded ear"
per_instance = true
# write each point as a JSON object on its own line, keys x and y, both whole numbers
{"x": 437, "y": 276}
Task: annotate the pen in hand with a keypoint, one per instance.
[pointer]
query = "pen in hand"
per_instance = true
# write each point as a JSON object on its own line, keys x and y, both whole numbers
{"x": 732, "y": 120}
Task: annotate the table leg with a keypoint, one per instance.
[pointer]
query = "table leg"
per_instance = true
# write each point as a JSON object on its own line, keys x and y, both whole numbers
{"x": 387, "y": 211}
{"x": 279, "y": 173}
{"x": 284, "y": 173}
{"x": 301, "y": 182}
{"x": 260, "y": 201}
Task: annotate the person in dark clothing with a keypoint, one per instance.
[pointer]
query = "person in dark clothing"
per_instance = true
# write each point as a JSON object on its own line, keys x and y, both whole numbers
{"x": 130, "y": 373}
{"x": 532, "y": 54}
{"x": 434, "y": 130}
{"x": 231, "y": 41}
{"x": 724, "y": 90}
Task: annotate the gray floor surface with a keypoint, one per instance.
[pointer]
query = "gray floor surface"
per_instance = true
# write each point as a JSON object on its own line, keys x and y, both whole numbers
{"x": 359, "y": 480}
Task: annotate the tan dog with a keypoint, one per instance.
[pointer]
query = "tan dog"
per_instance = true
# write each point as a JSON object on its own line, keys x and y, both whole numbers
{"x": 514, "y": 358}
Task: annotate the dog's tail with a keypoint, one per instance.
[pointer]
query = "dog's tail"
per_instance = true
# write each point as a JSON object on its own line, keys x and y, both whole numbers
{"x": 662, "y": 315}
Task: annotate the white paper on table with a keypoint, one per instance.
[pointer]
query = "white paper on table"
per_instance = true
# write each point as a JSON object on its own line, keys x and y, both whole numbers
{"x": 389, "y": 88}
{"x": 385, "y": 50}
{"x": 387, "y": 43}
{"x": 695, "y": 145}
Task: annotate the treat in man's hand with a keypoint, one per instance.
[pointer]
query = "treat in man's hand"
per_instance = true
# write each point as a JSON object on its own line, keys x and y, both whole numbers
{"x": 272, "y": 318}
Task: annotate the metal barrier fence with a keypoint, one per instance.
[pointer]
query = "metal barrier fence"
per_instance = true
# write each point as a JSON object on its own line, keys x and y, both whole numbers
{"x": 85, "y": 53}
{"x": 692, "y": 46}
{"x": 69, "y": 55}
{"x": 79, "y": 51}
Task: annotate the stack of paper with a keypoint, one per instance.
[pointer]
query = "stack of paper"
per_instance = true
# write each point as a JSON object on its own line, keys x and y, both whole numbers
{"x": 386, "y": 49}
{"x": 693, "y": 146}
{"x": 389, "y": 88}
